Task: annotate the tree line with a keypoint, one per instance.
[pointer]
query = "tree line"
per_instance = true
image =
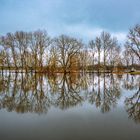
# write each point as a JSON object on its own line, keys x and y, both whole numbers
{"x": 38, "y": 52}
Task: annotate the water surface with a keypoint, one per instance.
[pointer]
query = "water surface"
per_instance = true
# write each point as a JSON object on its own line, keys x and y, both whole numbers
{"x": 72, "y": 106}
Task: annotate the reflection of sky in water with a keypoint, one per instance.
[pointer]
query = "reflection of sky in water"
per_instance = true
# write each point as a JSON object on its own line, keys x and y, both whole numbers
{"x": 82, "y": 89}
{"x": 65, "y": 120}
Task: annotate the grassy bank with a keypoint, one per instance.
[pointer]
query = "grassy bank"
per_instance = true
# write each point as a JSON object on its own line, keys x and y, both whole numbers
{"x": 136, "y": 72}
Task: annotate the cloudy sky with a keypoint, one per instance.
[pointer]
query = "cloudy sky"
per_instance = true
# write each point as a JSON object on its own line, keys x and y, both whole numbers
{"x": 80, "y": 18}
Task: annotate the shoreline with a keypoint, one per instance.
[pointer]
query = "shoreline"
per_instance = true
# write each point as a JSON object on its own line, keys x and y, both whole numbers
{"x": 49, "y": 72}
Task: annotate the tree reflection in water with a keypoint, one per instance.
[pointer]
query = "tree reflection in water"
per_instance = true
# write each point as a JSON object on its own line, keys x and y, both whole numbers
{"x": 107, "y": 92}
{"x": 133, "y": 106}
{"x": 36, "y": 93}
{"x": 25, "y": 93}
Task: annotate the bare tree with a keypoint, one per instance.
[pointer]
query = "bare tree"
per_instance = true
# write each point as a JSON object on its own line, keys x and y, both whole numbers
{"x": 134, "y": 40}
{"x": 129, "y": 56}
{"x": 99, "y": 47}
{"x": 113, "y": 53}
{"x": 92, "y": 46}
{"x": 106, "y": 43}
{"x": 22, "y": 42}
{"x": 126, "y": 57}
{"x": 8, "y": 41}
{"x": 67, "y": 48}
{"x": 42, "y": 42}
{"x": 6, "y": 52}
{"x": 52, "y": 62}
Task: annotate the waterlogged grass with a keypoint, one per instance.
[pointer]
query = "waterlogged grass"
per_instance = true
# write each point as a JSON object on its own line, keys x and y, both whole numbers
{"x": 136, "y": 72}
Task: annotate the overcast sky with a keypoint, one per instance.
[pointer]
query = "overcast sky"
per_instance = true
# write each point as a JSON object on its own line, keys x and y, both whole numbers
{"x": 80, "y": 18}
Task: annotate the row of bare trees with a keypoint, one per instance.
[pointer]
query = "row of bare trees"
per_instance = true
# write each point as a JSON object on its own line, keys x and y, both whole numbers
{"x": 37, "y": 51}
{"x": 24, "y": 50}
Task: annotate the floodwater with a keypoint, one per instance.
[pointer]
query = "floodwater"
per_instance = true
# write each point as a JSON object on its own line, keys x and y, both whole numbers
{"x": 69, "y": 107}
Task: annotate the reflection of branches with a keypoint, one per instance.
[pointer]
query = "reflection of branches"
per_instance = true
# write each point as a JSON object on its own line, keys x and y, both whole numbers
{"x": 53, "y": 82}
{"x": 95, "y": 95}
{"x": 107, "y": 97}
{"x": 133, "y": 106}
{"x": 130, "y": 82}
{"x": 69, "y": 94}
{"x": 110, "y": 94}
{"x": 26, "y": 95}
{"x": 37, "y": 92}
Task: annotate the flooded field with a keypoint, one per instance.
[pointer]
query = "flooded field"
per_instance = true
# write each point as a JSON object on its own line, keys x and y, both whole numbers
{"x": 69, "y": 107}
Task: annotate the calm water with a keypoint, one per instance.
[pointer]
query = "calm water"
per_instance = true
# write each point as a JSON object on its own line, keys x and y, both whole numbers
{"x": 69, "y": 107}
